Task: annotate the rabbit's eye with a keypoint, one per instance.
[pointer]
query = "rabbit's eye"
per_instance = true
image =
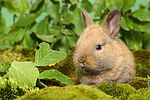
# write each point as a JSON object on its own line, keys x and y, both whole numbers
{"x": 98, "y": 47}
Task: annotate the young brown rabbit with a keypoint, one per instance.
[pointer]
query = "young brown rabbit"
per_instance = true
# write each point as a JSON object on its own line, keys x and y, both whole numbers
{"x": 100, "y": 55}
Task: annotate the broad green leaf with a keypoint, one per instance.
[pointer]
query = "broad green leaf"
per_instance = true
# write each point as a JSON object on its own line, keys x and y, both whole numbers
{"x": 2, "y": 24}
{"x": 137, "y": 25}
{"x": 142, "y": 14}
{"x": 12, "y": 6}
{"x": 67, "y": 31}
{"x": 25, "y": 20}
{"x": 5, "y": 67}
{"x": 146, "y": 44}
{"x": 47, "y": 38}
{"x": 15, "y": 35}
{"x": 23, "y": 5}
{"x": 41, "y": 28}
{"x": 66, "y": 17}
{"x": 52, "y": 9}
{"x": 64, "y": 44}
{"x": 111, "y": 4}
{"x": 72, "y": 40}
{"x": 127, "y": 4}
{"x": 59, "y": 0}
{"x": 87, "y": 5}
{"x": 124, "y": 24}
{"x": 28, "y": 41}
{"x": 133, "y": 39}
{"x": 35, "y": 5}
{"x": 119, "y": 4}
{"x": 73, "y": 2}
{"x": 45, "y": 56}
{"x": 24, "y": 72}
{"x": 55, "y": 74}
{"x": 114, "y": 4}
{"x": 78, "y": 21}
{"x": 98, "y": 6}
{"x": 55, "y": 30}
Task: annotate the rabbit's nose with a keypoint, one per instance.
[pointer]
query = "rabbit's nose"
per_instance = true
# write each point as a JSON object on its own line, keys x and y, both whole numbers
{"x": 82, "y": 60}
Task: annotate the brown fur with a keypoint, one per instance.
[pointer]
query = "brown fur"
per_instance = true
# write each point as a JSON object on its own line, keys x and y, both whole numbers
{"x": 113, "y": 62}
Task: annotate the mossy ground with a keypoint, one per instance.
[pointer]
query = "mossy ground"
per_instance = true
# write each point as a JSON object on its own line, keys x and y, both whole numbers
{"x": 17, "y": 53}
{"x": 10, "y": 89}
{"x": 142, "y": 60}
{"x": 125, "y": 91}
{"x": 78, "y": 92}
{"x": 116, "y": 90}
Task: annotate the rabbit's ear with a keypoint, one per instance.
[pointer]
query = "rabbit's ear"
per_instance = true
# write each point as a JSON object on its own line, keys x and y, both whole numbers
{"x": 87, "y": 20}
{"x": 112, "y": 23}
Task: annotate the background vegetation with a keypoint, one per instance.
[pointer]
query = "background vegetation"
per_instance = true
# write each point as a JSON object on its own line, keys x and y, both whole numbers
{"x": 59, "y": 22}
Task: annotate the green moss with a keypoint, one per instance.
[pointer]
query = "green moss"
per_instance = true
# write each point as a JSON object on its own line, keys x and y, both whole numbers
{"x": 79, "y": 92}
{"x": 141, "y": 94}
{"x": 10, "y": 89}
{"x": 139, "y": 83}
{"x": 142, "y": 60}
{"x": 117, "y": 90}
{"x": 17, "y": 53}
{"x": 142, "y": 71}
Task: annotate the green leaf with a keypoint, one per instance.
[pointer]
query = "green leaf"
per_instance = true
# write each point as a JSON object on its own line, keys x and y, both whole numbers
{"x": 114, "y": 4}
{"x": 47, "y": 38}
{"x": 2, "y": 24}
{"x": 23, "y": 5}
{"x": 127, "y": 4}
{"x": 119, "y": 4}
{"x": 66, "y": 31}
{"x": 55, "y": 74}
{"x": 45, "y": 56}
{"x": 59, "y": 0}
{"x": 142, "y": 14}
{"x": 35, "y": 5}
{"x": 12, "y": 6}
{"x": 146, "y": 44}
{"x": 67, "y": 17}
{"x": 73, "y": 2}
{"x": 64, "y": 44}
{"x": 24, "y": 72}
{"x": 87, "y": 5}
{"x": 41, "y": 28}
{"x": 25, "y": 20}
{"x": 52, "y": 9}
{"x": 137, "y": 25}
{"x": 28, "y": 41}
{"x": 55, "y": 30}
{"x": 124, "y": 24}
{"x": 15, "y": 35}
{"x": 5, "y": 67}
{"x": 133, "y": 39}
{"x": 78, "y": 21}
{"x": 98, "y": 6}
{"x": 111, "y": 4}
{"x": 72, "y": 40}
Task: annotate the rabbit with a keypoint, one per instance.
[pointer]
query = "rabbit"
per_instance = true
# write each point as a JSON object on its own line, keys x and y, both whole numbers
{"x": 100, "y": 55}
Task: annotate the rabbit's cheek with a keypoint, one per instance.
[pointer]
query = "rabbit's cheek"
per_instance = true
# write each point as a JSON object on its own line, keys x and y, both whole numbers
{"x": 91, "y": 62}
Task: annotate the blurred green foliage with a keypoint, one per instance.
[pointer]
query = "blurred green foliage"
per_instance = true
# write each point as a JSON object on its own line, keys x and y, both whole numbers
{"x": 62, "y": 24}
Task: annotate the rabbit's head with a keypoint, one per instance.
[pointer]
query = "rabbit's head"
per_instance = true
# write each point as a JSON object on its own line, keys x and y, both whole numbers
{"x": 96, "y": 49}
